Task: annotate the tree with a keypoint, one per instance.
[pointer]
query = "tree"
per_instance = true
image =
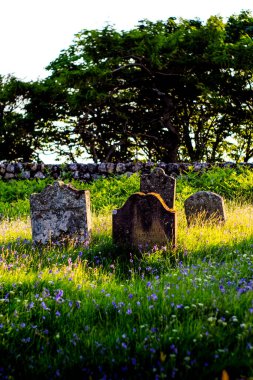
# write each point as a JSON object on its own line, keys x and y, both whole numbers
{"x": 28, "y": 115}
{"x": 16, "y": 133}
{"x": 168, "y": 90}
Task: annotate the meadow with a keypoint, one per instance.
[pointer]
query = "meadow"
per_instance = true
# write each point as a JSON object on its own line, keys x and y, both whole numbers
{"x": 94, "y": 312}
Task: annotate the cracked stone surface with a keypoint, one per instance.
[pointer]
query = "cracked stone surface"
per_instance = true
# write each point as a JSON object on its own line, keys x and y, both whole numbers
{"x": 60, "y": 213}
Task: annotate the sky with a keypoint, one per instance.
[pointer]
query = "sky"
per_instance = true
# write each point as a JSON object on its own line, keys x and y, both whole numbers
{"x": 33, "y": 32}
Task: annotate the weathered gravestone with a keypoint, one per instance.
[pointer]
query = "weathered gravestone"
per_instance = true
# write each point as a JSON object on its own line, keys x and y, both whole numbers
{"x": 204, "y": 204}
{"x": 161, "y": 183}
{"x": 144, "y": 221}
{"x": 60, "y": 213}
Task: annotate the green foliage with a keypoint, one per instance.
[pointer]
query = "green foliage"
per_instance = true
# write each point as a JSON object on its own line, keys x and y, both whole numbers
{"x": 110, "y": 193}
{"x": 14, "y": 190}
{"x": 174, "y": 89}
{"x": 14, "y": 209}
{"x": 167, "y": 90}
{"x": 27, "y": 116}
{"x": 233, "y": 184}
{"x": 16, "y": 132}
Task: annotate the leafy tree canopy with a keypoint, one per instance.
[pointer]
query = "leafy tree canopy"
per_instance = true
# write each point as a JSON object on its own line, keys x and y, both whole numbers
{"x": 169, "y": 90}
{"x": 175, "y": 89}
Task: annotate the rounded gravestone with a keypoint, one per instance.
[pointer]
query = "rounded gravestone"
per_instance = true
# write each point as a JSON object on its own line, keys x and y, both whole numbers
{"x": 204, "y": 204}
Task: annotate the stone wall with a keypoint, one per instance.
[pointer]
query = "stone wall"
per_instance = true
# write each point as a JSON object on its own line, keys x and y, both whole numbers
{"x": 91, "y": 171}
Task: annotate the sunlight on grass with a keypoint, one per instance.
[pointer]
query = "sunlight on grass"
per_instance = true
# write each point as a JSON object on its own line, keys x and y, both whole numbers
{"x": 102, "y": 313}
{"x": 110, "y": 315}
{"x": 11, "y": 230}
{"x": 15, "y": 229}
{"x": 238, "y": 227}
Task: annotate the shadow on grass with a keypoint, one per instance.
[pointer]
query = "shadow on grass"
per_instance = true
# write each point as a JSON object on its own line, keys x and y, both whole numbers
{"x": 104, "y": 254}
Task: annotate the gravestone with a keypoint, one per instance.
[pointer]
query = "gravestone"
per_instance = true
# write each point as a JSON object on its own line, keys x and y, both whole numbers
{"x": 144, "y": 221}
{"x": 204, "y": 204}
{"x": 60, "y": 213}
{"x": 160, "y": 183}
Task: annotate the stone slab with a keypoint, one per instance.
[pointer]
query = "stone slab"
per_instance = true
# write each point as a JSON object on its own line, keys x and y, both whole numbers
{"x": 60, "y": 213}
{"x": 159, "y": 182}
{"x": 144, "y": 221}
{"x": 204, "y": 204}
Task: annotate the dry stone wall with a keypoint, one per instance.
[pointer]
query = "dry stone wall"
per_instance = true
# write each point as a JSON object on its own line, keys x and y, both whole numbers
{"x": 91, "y": 171}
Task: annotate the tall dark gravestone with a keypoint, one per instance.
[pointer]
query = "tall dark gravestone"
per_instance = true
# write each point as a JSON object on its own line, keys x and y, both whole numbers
{"x": 144, "y": 221}
{"x": 160, "y": 183}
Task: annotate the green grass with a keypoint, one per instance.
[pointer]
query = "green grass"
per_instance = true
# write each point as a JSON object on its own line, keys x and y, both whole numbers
{"x": 93, "y": 313}
{"x": 110, "y": 193}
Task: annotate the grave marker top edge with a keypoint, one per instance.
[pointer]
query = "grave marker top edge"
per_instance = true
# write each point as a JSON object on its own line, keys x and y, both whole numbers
{"x": 51, "y": 197}
{"x": 141, "y": 194}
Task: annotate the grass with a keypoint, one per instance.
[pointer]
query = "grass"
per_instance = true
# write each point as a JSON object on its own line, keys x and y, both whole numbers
{"x": 93, "y": 312}
{"x": 110, "y": 193}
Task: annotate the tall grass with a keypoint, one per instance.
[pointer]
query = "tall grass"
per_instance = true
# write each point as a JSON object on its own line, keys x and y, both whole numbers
{"x": 110, "y": 193}
{"x": 90, "y": 312}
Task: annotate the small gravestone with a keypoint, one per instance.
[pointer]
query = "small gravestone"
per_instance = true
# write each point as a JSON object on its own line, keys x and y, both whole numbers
{"x": 144, "y": 221}
{"x": 204, "y": 204}
{"x": 60, "y": 213}
{"x": 160, "y": 183}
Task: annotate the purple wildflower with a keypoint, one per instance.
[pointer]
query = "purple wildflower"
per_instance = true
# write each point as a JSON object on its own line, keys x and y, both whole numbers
{"x": 57, "y": 373}
{"x": 59, "y": 295}
{"x": 26, "y": 340}
{"x": 46, "y": 293}
{"x": 44, "y": 306}
{"x": 222, "y": 289}
{"x": 173, "y": 348}
{"x": 154, "y": 297}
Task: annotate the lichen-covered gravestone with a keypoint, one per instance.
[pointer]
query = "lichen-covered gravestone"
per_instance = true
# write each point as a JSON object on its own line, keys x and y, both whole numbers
{"x": 204, "y": 204}
{"x": 161, "y": 183}
{"x": 144, "y": 221}
{"x": 60, "y": 213}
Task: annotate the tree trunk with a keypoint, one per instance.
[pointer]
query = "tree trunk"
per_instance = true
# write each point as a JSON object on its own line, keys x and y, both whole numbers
{"x": 172, "y": 136}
